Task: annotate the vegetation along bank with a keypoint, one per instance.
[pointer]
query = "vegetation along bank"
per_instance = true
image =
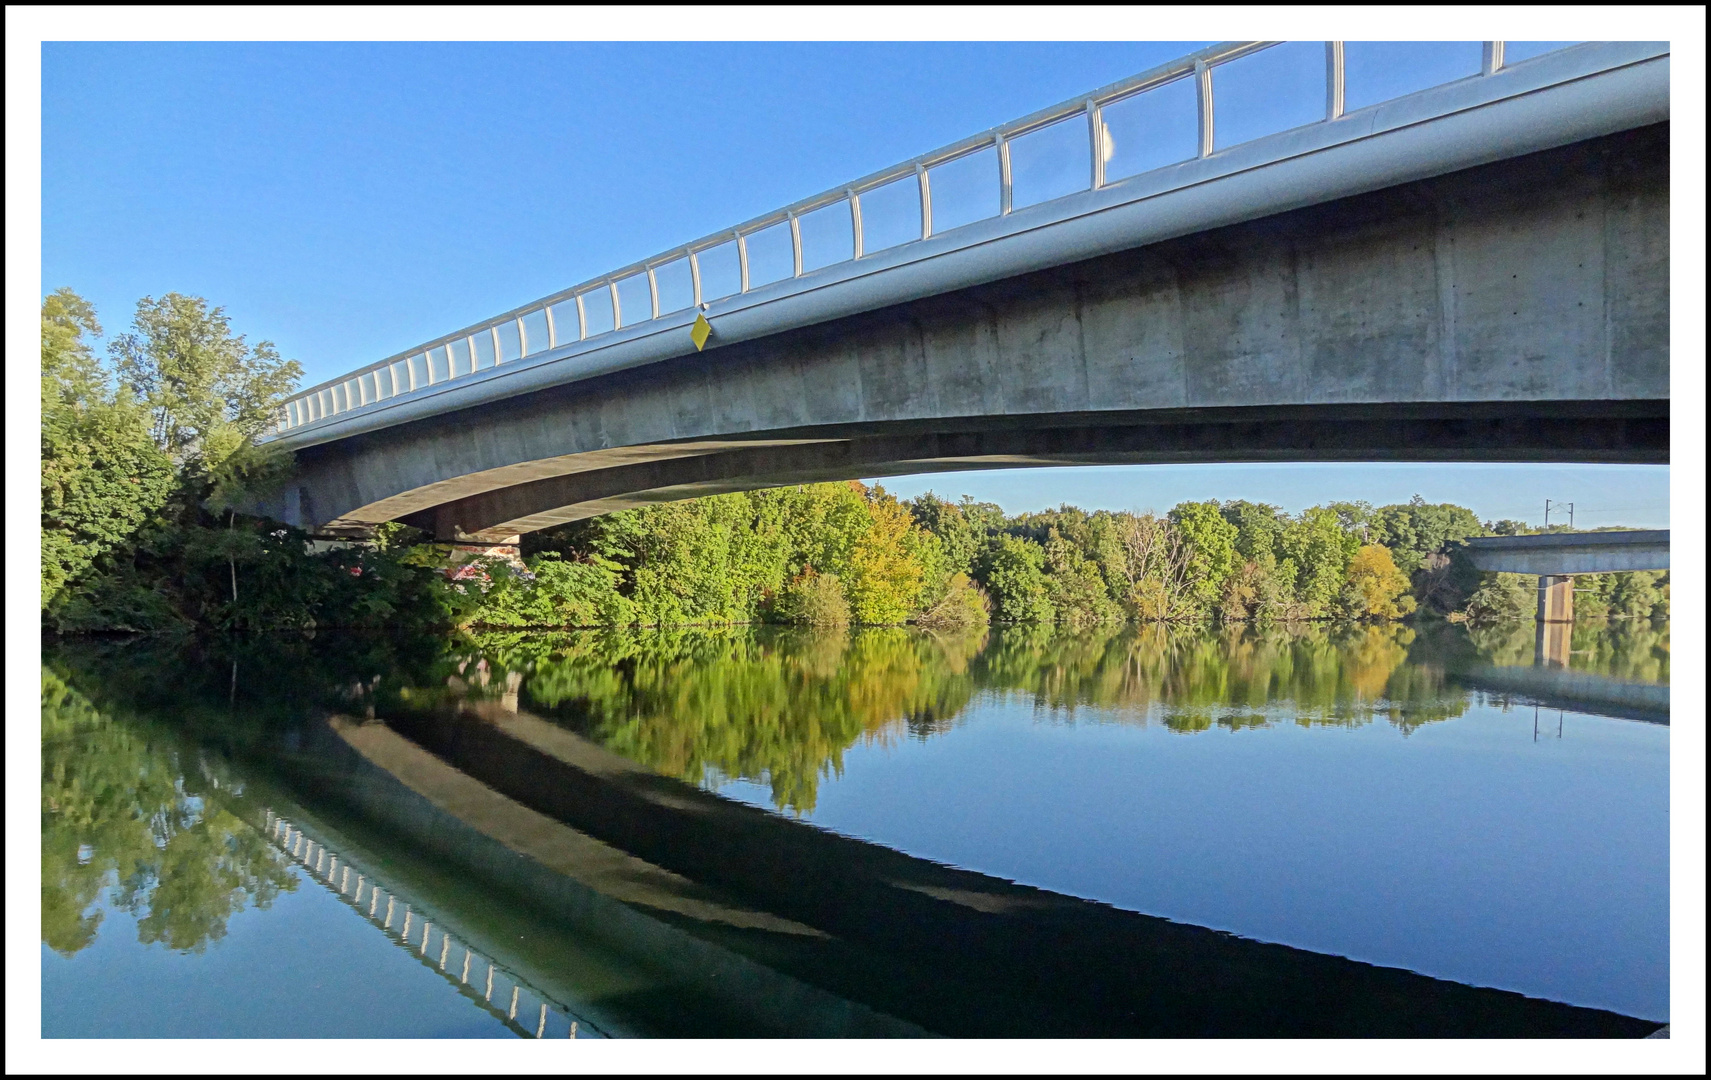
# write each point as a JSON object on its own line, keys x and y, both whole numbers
{"x": 148, "y": 450}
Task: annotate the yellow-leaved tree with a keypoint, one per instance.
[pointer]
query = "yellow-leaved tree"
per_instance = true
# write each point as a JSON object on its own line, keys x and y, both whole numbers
{"x": 885, "y": 580}
{"x": 1376, "y": 589}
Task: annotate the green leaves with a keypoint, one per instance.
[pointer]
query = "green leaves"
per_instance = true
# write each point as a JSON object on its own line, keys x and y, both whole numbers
{"x": 102, "y": 476}
{"x": 207, "y": 390}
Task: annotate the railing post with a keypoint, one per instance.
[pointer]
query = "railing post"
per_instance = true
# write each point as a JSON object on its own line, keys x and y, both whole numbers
{"x": 695, "y": 276}
{"x": 1096, "y": 140}
{"x": 653, "y": 293}
{"x": 1333, "y": 79}
{"x": 617, "y": 313}
{"x": 581, "y": 319}
{"x": 1203, "y": 86}
{"x": 1491, "y": 60}
{"x": 1005, "y": 191}
{"x": 796, "y": 244}
{"x": 855, "y": 225}
{"x": 743, "y": 260}
{"x": 926, "y": 201}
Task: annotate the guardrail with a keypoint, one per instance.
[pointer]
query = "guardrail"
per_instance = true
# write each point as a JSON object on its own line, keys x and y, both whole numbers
{"x": 1162, "y": 117}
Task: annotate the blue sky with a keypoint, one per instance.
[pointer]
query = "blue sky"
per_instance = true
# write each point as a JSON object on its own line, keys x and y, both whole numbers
{"x": 347, "y": 201}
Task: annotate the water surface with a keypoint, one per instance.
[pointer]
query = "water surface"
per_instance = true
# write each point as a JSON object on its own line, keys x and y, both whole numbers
{"x": 1371, "y": 793}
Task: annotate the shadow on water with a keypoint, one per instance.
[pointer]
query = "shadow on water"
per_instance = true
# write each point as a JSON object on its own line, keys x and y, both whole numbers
{"x": 548, "y": 789}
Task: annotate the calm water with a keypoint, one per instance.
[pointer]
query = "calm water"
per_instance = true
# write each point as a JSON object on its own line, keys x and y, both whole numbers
{"x": 496, "y": 836}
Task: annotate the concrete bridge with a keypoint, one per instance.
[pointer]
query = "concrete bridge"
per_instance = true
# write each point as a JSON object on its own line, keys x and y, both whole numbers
{"x": 1475, "y": 268}
{"x": 1556, "y": 558}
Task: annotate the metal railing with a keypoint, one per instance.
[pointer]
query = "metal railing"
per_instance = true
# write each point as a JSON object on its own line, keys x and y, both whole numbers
{"x": 501, "y": 992}
{"x": 1150, "y": 121}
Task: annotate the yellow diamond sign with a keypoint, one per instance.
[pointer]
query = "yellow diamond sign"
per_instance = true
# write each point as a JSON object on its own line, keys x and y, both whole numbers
{"x": 700, "y": 332}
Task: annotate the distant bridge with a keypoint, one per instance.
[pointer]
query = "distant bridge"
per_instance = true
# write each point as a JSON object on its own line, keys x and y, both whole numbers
{"x": 1557, "y": 557}
{"x": 1472, "y": 264}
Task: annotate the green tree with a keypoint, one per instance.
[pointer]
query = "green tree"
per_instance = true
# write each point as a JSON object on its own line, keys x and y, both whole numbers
{"x": 1319, "y": 551}
{"x": 813, "y": 600}
{"x": 1416, "y": 529}
{"x": 207, "y": 390}
{"x": 957, "y": 532}
{"x": 1076, "y": 587}
{"x": 102, "y": 476}
{"x": 1013, "y": 570}
{"x": 1211, "y": 544}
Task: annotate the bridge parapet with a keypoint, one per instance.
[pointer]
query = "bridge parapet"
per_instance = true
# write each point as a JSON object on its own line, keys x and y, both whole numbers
{"x": 998, "y": 203}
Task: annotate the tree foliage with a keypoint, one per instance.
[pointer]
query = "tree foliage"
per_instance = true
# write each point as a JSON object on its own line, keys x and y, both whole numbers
{"x": 206, "y": 390}
{"x": 102, "y": 475}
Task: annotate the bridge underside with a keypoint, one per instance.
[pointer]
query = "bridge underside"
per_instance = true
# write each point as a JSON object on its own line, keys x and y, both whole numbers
{"x": 1514, "y": 312}
{"x": 1580, "y": 431}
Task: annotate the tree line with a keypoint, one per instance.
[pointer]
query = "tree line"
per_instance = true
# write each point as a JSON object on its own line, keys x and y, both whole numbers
{"x": 148, "y": 452}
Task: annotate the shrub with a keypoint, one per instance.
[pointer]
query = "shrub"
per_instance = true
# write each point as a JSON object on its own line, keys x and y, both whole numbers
{"x": 813, "y": 599}
{"x": 964, "y": 606}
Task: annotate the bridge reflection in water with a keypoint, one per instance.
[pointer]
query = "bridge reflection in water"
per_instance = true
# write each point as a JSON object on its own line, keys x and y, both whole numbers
{"x": 800, "y": 931}
{"x": 416, "y": 927}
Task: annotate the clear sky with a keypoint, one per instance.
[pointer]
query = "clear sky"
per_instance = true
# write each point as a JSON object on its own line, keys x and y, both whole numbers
{"x": 347, "y": 201}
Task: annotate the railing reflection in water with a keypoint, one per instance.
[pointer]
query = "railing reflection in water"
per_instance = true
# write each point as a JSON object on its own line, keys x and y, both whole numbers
{"x": 522, "y": 1007}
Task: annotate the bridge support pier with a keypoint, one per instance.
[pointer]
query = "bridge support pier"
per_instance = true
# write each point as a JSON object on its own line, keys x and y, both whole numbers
{"x": 1555, "y": 625}
{"x": 1556, "y": 598}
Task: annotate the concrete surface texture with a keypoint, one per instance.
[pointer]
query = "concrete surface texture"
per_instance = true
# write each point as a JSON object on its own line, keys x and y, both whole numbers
{"x": 1514, "y": 311}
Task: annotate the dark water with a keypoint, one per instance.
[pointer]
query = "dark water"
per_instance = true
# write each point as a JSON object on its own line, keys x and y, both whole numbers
{"x": 507, "y": 835}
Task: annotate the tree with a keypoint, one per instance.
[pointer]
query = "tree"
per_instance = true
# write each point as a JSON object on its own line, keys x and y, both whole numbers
{"x": 955, "y": 529}
{"x": 1211, "y": 543}
{"x": 1320, "y": 551}
{"x": 1416, "y": 529}
{"x": 1078, "y": 593}
{"x": 207, "y": 391}
{"x": 885, "y": 577}
{"x": 1013, "y": 570}
{"x": 102, "y": 476}
{"x": 1376, "y": 589}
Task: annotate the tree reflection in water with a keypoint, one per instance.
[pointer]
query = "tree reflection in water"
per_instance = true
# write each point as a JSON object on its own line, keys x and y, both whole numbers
{"x": 121, "y": 815}
{"x": 125, "y": 814}
{"x": 1636, "y": 650}
{"x": 782, "y": 707}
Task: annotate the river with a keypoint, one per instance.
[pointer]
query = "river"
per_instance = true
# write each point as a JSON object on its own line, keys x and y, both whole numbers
{"x": 755, "y": 831}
